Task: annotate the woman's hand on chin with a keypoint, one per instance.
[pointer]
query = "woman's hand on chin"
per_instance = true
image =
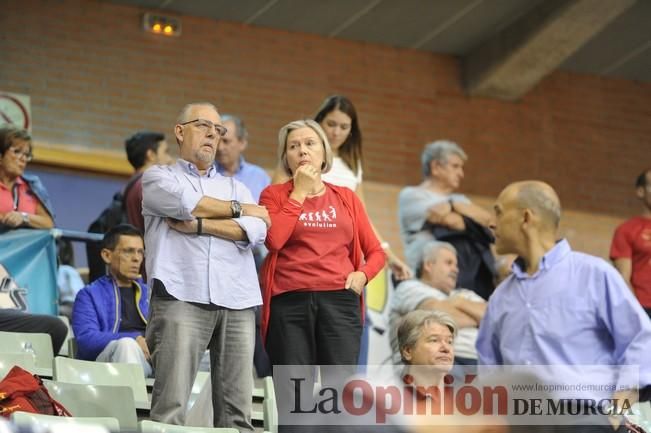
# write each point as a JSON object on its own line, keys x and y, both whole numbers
{"x": 307, "y": 180}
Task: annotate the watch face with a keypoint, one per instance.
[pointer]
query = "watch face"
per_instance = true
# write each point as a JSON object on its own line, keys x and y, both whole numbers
{"x": 236, "y": 208}
{"x": 14, "y": 110}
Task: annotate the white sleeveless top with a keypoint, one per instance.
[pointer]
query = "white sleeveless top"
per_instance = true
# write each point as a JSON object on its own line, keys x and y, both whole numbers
{"x": 341, "y": 175}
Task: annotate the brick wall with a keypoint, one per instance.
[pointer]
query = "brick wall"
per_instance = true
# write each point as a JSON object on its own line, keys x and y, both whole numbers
{"x": 94, "y": 77}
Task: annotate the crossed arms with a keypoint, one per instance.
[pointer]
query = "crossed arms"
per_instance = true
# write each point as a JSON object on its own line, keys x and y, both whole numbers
{"x": 466, "y": 313}
{"x": 218, "y": 219}
{"x": 451, "y": 213}
{"x": 168, "y": 195}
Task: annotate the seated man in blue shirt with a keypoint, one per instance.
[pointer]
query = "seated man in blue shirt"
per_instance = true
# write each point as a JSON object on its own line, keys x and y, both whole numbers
{"x": 559, "y": 307}
{"x": 110, "y": 314}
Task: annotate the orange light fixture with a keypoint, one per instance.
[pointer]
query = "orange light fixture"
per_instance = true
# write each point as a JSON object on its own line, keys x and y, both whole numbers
{"x": 161, "y": 24}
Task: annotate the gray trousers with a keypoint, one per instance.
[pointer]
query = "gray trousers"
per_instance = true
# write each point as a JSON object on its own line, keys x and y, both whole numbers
{"x": 125, "y": 350}
{"x": 178, "y": 333}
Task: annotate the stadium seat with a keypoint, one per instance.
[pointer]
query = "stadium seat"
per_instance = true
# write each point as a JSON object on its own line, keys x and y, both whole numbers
{"x": 104, "y": 373}
{"x": 203, "y": 377}
{"x": 158, "y": 427}
{"x": 269, "y": 408}
{"x": 97, "y": 401}
{"x": 199, "y": 409}
{"x": 38, "y": 344}
{"x": 22, "y": 359}
{"x": 70, "y": 424}
{"x": 642, "y": 415}
{"x": 67, "y": 346}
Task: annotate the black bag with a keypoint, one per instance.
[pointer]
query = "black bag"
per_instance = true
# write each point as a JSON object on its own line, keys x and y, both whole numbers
{"x": 114, "y": 214}
{"x": 476, "y": 261}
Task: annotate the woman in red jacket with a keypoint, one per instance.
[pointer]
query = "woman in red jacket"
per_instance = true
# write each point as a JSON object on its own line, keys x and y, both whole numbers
{"x": 322, "y": 251}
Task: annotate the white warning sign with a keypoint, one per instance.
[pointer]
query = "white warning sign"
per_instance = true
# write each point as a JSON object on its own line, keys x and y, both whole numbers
{"x": 15, "y": 110}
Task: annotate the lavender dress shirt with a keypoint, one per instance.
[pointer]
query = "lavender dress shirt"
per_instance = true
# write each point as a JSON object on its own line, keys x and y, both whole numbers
{"x": 204, "y": 269}
{"x": 576, "y": 310}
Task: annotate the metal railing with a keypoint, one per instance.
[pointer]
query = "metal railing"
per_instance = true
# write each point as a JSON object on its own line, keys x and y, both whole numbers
{"x": 74, "y": 235}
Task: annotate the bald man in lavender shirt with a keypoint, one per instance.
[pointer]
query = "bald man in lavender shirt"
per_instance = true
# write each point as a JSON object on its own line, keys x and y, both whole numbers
{"x": 559, "y": 307}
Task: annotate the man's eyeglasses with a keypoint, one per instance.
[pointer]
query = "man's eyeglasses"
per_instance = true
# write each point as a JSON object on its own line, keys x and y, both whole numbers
{"x": 130, "y": 252}
{"x": 22, "y": 153}
{"x": 207, "y": 125}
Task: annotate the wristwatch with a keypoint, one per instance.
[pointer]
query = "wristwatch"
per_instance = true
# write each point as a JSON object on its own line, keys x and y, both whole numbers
{"x": 236, "y": 209}
{"x": 25, "y": 216}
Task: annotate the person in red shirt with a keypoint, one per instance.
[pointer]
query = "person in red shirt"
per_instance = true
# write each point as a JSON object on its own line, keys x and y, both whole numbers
{"x": 144, "y": 149}
{"x": 24, "y": 202}
{"x": 631, "y": 246}
{"x": 322, "y": 252}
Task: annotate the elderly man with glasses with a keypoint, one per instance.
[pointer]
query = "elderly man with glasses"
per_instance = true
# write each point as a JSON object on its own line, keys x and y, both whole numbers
{"x": 200, "y": 228}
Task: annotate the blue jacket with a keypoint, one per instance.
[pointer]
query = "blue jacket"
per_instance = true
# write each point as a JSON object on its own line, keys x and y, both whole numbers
{"x": 96, "y": 315}
{"x": 37, "y": 187}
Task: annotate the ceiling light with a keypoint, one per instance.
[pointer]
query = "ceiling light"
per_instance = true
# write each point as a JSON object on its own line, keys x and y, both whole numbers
{"x": 161, "y": 24}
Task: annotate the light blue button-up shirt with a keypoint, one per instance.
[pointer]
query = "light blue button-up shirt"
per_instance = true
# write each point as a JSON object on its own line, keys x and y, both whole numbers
{"x": 251, "y": 175}
{"x": 576, "y": 310}
{"x": 204, "y": 269}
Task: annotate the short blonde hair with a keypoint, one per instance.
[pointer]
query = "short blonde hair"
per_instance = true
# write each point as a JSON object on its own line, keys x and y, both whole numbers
{"x": 298, "y": 124}
{"x": 412, "y": 324}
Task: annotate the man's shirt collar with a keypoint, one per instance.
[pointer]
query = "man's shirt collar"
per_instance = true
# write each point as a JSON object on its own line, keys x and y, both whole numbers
{"x": 551, "y": 257}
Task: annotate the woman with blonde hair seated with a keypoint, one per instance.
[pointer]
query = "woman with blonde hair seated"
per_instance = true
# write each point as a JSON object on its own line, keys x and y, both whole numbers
{"x": 425, "y": 341}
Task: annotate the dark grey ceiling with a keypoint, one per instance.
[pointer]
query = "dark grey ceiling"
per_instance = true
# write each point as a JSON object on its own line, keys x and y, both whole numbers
{"x": 622, "y": 49}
